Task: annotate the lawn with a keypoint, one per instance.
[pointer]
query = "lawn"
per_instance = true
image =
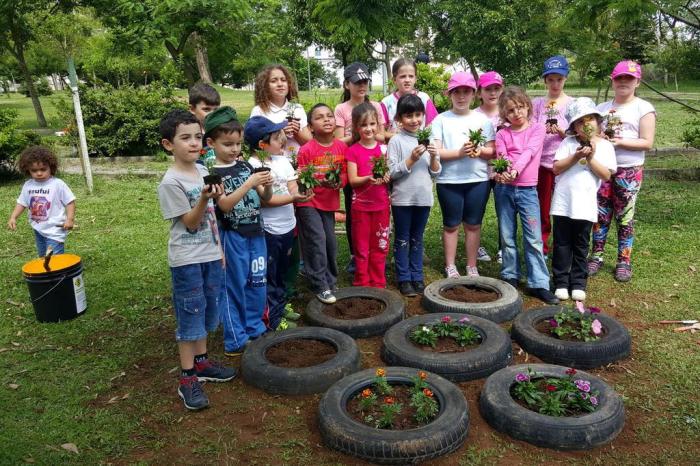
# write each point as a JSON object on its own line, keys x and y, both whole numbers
{"x": 106, "y": 381}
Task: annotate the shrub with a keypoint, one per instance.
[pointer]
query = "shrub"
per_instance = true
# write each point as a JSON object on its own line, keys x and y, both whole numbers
{"x": 42, "y": 88}
{"x": 433, "y": 81}
{"x": 691, "y": 133}
{"x": 120, "y": 122}
{"x": 12, "y": 140}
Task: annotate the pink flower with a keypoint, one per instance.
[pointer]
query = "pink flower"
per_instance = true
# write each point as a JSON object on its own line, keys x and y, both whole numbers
{"x": 464, "y": 320}
{"x": 553, "y": 323}
{"x": 570, "y": 371}
{"x": 596, "y": 326}
{"x": 594, "y": 310}
{"x": 520, "y": 377}
{"x": 594, "y": 401}
{"x": 551, "y": 388}
{"x": 583, "y": 385}
{"x": 446, "y": 319}
{"x": 580, "y": 308}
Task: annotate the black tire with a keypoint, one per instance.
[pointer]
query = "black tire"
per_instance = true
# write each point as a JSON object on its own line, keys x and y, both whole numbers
{"x": 504, "y": 308}
{"x": 584, "y": 432}
{"x": 494, "y": 352}
{"x": 615, "y": 344}
{"x": 260, "y": 372}
{"x": 359, "y": 328}
{"x": 445, "y": 434}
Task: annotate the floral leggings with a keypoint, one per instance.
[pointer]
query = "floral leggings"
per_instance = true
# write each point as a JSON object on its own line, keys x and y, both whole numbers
{"x": 619, "y": 196}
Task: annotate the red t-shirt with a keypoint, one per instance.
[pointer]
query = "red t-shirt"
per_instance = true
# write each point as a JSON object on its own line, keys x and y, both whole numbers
{"x": 368, "y": 197}
{"x": 321, "y": 156}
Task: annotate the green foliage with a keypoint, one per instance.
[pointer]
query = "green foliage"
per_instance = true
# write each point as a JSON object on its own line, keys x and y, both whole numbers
{"x": 307, "y": 180}
{"x": 42, "y": 88}
{"x": 426, "y": 407}
{"x": 12, "y": 140}
{"x": 121, "y": 121}
{"x": 433, "y": 81}
{"x": 578, "y": 324}
{"x": 380, "y": 167}
{"x": 424, "y": 335}
{"x": 555, "y": 396}
{"x": 463, "y": 333}
{"x": 691, "y": 132}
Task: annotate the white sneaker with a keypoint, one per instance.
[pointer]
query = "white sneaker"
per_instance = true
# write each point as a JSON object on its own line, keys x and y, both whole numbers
{"x": 499, "y": 257}
{"x": 562, "y": 294}
{"x": 451, "y": 271}
{"x": 482, "y": 255}
{"x": 472, "y": 272}
{"x": 326, "y": 297}
{"x": 578, "y": 295}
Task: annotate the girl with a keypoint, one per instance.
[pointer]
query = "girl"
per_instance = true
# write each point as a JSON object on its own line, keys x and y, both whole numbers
{"x": 316, "y": 217}
{"x": 516, "y": 193}
{"x": 412, "y": 169}
{"x": 403, "y": 73}
{"x": 370, "y": 199}
{"x": 50, "y": 201}
{"x": 463, "y": 184}
{"x": 619, "y": 195}
{"x": 579, "y": 168}
{"x": 551, "y": 112}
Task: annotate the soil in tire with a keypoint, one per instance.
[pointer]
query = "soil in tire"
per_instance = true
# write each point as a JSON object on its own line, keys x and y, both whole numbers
{"x": 354, "y": 308}
{"x": 300, "y": 353}
{"x": 447, "y": 345}
{"x": 469, "y": 294}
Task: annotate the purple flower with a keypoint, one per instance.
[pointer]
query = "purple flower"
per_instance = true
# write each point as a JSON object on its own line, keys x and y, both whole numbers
{"x": 594, "y": 401}
{"x": 464, "y": 320}
{"x": 596, "y": 326}
{"x": 583, "y": 385}
{"x": 594, "y": 310}
{"x": 553, "y": 323}
{"x": 585, "y": 396}
{"x": 580, "y": 308}
{"x": 520, "y": 377}
{"x": 446, "y": 319}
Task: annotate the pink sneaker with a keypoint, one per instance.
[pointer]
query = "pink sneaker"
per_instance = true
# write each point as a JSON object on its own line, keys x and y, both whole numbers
{"x": 451, "y": 271}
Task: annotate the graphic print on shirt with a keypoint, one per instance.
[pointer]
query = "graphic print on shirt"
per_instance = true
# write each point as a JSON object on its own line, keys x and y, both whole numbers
{"x": 201, "y": 235}
{"x": 39, "y": 207}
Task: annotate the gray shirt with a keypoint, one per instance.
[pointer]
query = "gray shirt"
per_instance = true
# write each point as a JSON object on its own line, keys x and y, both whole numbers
{"x": 178, "y": 192}
{"x": 414, "y": 186}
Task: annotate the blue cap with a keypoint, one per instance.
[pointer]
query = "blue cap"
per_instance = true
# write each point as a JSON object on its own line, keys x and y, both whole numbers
{"x": 556, "y": 64}
{"x": 257, "y": 128}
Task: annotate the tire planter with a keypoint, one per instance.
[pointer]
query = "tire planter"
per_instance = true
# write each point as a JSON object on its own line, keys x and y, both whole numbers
{"x": 613, "y": 345}
{"x": 494, "y": 352}
{"x": 446, "y": 433}
{"x": 359, "y": 328}
{"x": 584, "y": 432}
{"x": 260, "y": 372}
{"x": 504, "y": 308}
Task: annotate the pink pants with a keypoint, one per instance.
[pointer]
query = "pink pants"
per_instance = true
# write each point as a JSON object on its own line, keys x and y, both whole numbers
{"x": 370, "y": 237}
{"x": 545, "y": 189}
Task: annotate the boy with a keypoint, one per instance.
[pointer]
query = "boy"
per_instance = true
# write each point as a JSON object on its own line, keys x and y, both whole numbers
{"x": 194, "y": 255}
{"x": 204, "y": 99}
{"x": 278, "y": 212}
{"x": 242, "y": 235}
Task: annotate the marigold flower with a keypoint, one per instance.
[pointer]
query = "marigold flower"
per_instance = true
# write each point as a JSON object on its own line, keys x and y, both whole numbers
{"x": 366, "y": 393}
{"x": 551, "y": 388}
{"x": 380, "y": 372}
{"x": 570, "y": 371}
{"x": 389, "y": 400}
{"x": 427, "y": 393}
{"x": 521, "y": 377}
{"x": 422, "y": 375}
{"x": 597, "y": 327}
{"x": 446, "y": 319}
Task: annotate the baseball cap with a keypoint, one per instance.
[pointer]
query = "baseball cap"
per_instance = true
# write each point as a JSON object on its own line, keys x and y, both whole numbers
{"x": 627, "y": 67}
{"x": 356, "y": 72}
{"x": 257, "y": 127}
{"x": 460, "y": 79}
{"x": 490, "y": 77}
{"x": 556, "y": 64}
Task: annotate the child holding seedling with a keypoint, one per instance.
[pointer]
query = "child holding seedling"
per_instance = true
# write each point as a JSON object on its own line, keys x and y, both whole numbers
{"x": 413, "y": 166}
{"x": 464, "y": 142}
{"x": 243, "y": 299}
{"x": 316, "y": 216}
{"x": 618, "y": 196}
{"x": 516, "y": 194}
{"x": 403, "y": 73}
{"x": 550, "y": 111}
{"x": 50, "y": 201}
{"x": 368, "y": 174}
{"x": 194, "y": 255}
{"x": 581, "y": 162}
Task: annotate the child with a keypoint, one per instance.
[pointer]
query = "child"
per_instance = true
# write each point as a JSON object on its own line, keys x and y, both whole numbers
{"x": 317, "y": 216}
{"x": 618, "y": 195}
{"x": 203, "y": 99}
{"x": 277, "y": 212}
{"x": 516, "y": 193}
{"x": 243, "y": 299}
{"x": 403, "y": 73}
{"x": 579, "y": 169}
{"x": 50, "y": 201}
{"x": 544, "y": 109}
{"x": 463, "y": 183}
{"x": 370, "y": 199}
{"x": 412, "y": 169}
{"x": 194, "y": 255}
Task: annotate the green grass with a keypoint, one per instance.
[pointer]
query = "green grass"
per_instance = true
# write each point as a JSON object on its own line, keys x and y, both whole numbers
{"x": 678, "y": 161}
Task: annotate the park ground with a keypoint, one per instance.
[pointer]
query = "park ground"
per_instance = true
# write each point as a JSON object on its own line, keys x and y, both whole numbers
{"x": 101, "y": 388}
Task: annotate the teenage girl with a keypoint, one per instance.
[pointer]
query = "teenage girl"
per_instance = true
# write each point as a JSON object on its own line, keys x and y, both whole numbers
{"x": 403, "y": 73}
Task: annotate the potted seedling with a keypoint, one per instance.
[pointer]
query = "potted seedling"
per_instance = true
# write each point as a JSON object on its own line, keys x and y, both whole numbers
{"x": 291, "y": 108}
{"x": 613, "y": 124}
{"x": 551, "y": 112}
{"x": 212, "y": 178}
{"x": 500, "y": 164}
{"x": 307, "y": 181}
{"x": 477, "y": 138}
{"x": 332, "y": 176}
{"x": 585, "y": 138}
{"x": 264, "y": 157}
{"x": 423, "y": 136}
{"x": 379, "y": 167}
{"x": 293, "y": 158}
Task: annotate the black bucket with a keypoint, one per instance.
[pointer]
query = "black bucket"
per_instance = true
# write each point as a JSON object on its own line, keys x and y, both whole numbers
{"x": 56, "y": 287}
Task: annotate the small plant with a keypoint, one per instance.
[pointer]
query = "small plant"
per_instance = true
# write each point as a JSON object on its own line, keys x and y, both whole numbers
{"x": 307, "y": 180}
{"x": 554, "y": 396}
{"x": 380, "y": 382}
{"x": 367, "y": 399}
{"x": 500, "y": 164}
{"x": 424, "y": 335}
{"x": 209, "y": 160}
{"x": 463, "y": 333}
{"x": 389, "y": 410}
{"x": 293, "y": 158}
{"x": 263, "y": 157}
{"x": 551, "y": 112}
{"x": 579, "y": 324}
{"x": 585, "y": 138}
{"x": 423, "y": 136}
{"x": 477, "y": 138}
{"x": 379, "y": 167}
{"x": 425, "y": 405}
{"x": 335, "y": 169}
{"x": 291, "y": 109}
{"x": 613, "y": 124}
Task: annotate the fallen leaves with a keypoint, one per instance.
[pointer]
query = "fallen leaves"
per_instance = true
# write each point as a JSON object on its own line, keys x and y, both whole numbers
{"x": 13, "y": 386}
{"x": 71, "y": 447}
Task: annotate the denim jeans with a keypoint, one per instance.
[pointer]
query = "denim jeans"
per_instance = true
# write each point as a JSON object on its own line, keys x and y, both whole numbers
{"x": 513, "y": 201}
{"x": 42, "y": 242}
{"x": 196, "y": 289}
{"x": 409, "y": 226}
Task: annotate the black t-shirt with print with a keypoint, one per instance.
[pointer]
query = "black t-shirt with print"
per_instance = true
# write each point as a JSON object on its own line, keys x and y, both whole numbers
{"x": 245, "y": 216}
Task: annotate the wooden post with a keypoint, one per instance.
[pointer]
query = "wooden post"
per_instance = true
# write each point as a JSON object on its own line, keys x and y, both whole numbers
{"x": 85, "y": 160}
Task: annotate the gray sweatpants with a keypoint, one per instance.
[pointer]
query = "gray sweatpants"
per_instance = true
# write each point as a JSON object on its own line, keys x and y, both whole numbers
{"x": 318, "y": 247}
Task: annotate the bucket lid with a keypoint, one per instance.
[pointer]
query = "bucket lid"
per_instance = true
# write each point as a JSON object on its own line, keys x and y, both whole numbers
{"x": 57, "y": 263}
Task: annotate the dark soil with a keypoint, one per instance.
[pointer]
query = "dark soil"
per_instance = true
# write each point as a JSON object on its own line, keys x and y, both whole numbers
{"x": 447, "y": 345}
{"x": 354, "y": 308}
{"x": 544, "y": 327}
{"x": 469, "y": 294}
{"x": 300, "y": 353}
{"x": 541, "y": 384}
{"x": 401, "y": 395}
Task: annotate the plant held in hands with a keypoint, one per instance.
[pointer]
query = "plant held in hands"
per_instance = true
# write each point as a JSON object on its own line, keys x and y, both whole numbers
{"x": 293, "y": 158}
{"x": 423, "y": 136}
{"x": 477, "y": 138}
{"x": 307, "y": 180}
{"x": 551, "y": 112}
{"x": 264, "y": 157}
{"x": 613, "y": 124}
{"x": 212, "y": 178}
{"x": 291, "y": 108}
{"x": 332, "y": 176}
{"x": 500, "y": 164}
{"x": 379, "y": 167}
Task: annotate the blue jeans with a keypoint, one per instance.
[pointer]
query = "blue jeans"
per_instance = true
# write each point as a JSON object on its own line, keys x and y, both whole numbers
{"x": 279, "y": 252}
{"x": 196, "y": 290}
{"x": 523, "y": 201}
{"x": 409, "y": 226}
{"x": 42, "y": 242}
{"x": 243, "y": 296}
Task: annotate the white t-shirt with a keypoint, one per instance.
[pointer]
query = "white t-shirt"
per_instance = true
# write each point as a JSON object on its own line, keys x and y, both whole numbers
{"x": 46, "y": 203}
{"x": 278, "y": 115}
{"x": 576, "y": 189}
{"x": 630, "y": 114}
{"x": 278, "y": 220}
{"x": 453, "y": 131}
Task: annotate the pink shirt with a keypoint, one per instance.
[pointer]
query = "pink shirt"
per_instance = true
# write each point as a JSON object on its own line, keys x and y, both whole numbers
{"x": 551, "y": 141}
{"x": 390, "y": 102}
{"x": 368, "y": 197}
{"x": 343, "y": 116}
{"x": 320, "y": 156}
{"x": 523, "y": 149}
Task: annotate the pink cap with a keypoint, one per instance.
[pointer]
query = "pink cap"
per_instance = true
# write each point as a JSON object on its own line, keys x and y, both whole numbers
{"x": 490, "y": 77}
{"x": 627, "y": 67}
{"x": 460, "y": 79}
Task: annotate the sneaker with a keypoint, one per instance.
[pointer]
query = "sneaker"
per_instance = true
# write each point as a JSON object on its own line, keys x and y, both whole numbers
{"x": 451, "y": 271}
{"x": 351, "y": 266}
{"x": 562, "y": 294}
{"x": 623, "y": 272}
{"x": 578, "y": 295}
{"x": 472, "y": 271}
{"x": 499, "y": 257}
{"x": 482, "y": 255}
{"x": 406, "y": 289}
{"x": 289, "y": 313}
{"x": 594, "y": 266}
{"x": 418, "y": 286}
{"x": 514, "y": 282}
{"x": 190, "y": 390}
{"x": 544, "y": 295}
{"x": 237, "y": 352}
{"x": 326, "y": 297}
{"x": 213, "y": 371}
{"x": 285, "y": 325}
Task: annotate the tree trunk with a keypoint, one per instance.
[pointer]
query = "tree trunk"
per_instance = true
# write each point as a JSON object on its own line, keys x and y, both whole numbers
{"x": 177, "y": 56}
{"x": 202, "y": 57}
{"x": 472, "y": 68}
{"x": 19, "y": 55}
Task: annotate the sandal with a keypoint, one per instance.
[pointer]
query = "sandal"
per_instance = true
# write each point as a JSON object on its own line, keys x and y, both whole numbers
{"x": 623, "y": 272}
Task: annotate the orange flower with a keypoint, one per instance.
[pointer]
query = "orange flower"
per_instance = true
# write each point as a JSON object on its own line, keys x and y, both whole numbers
{"x": 427, "y": 393}
{"x": 422, "y": 375}
{"x": 366, "y": 393}
{"x": 380, "y": 372}
{"x": 389, "y": 400}
{"x": 552, "y": 104}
